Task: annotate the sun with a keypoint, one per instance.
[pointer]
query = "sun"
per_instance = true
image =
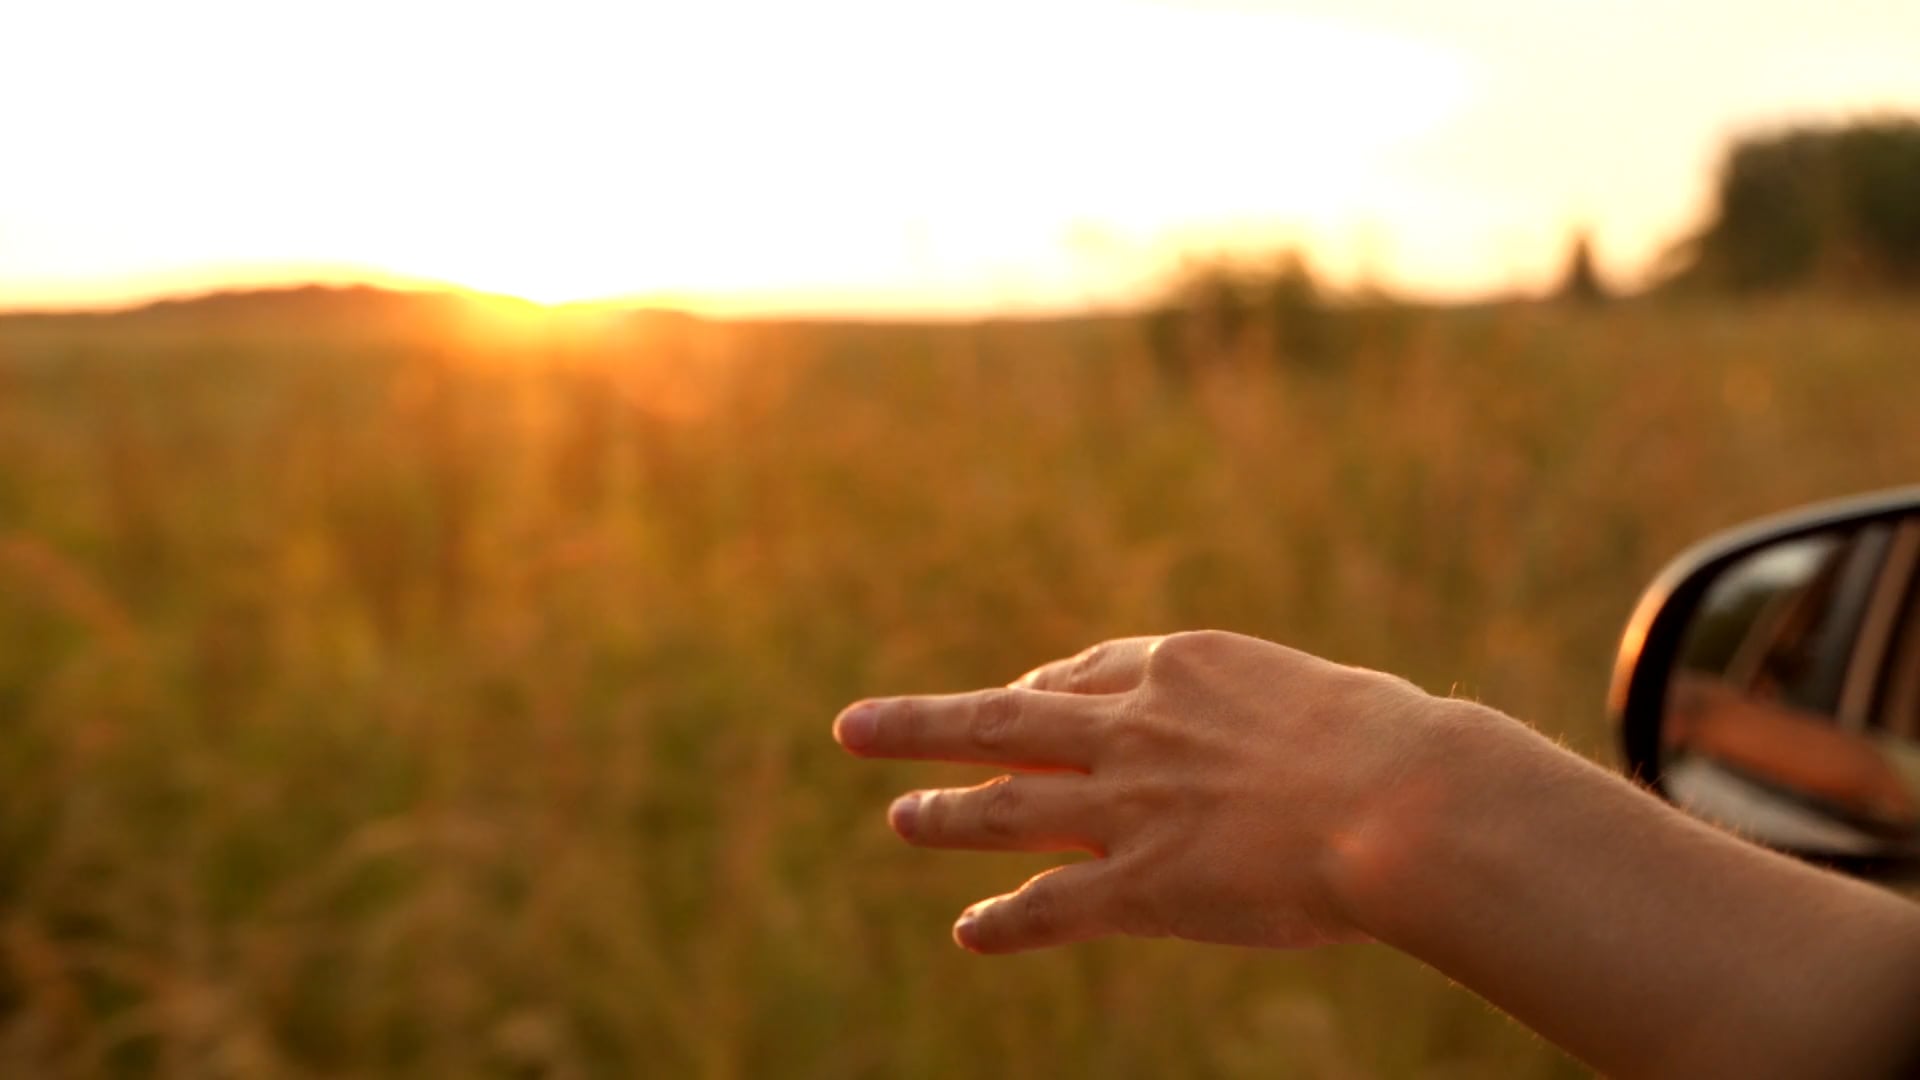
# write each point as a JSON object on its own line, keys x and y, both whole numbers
{"x": 547, "y": 272}
{"x": 625, "y": 159}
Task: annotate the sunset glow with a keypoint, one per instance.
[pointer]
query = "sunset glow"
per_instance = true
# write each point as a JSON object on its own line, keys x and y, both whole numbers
{"x": 866, "y": 155}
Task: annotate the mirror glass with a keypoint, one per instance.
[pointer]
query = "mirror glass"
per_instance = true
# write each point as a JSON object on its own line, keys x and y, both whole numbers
{"x": 1793, "y": 714}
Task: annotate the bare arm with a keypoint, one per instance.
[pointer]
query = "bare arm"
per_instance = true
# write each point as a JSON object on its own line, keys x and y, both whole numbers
{"x": 1643, "y": 942}
{"x": 1237, "y": 791}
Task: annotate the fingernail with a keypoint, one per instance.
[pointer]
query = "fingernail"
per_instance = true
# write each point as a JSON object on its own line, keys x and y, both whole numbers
{"x": 964, "y": 929}
{"x": 856, "y": 726}
{"x": 903, "y": 812}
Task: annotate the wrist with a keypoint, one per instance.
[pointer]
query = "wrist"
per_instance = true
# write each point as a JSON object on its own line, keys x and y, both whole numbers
{"x": 1393, "y": 860}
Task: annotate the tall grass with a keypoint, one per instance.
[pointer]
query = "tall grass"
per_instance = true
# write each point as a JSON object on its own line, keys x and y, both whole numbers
{"x": 418, "y": 702}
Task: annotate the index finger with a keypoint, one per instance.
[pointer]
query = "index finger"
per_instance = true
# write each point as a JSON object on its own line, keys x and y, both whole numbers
{"x": 1012, "y": 726}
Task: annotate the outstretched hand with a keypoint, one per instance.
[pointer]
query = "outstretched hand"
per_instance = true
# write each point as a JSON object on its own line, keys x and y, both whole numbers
{"x": 1235, "y": 791}
{"x": 1229, "y": 789}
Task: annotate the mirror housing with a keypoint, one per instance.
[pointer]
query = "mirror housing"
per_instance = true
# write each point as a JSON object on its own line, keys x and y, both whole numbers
{"x": 1778, "y": 763}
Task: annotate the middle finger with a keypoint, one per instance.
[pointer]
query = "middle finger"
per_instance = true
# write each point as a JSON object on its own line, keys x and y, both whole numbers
{"x": 1026, "y": 728}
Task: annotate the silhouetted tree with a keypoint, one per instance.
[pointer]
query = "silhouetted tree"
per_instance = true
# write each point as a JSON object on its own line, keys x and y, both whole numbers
{"x": 1581, "y": 282}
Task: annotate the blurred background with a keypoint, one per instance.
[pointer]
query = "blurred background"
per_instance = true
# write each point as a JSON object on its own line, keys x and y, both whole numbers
{"x": 455, "y": 460}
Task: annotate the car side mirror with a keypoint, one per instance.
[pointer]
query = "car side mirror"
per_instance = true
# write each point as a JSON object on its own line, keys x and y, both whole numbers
{"x": 1769, "y": 681}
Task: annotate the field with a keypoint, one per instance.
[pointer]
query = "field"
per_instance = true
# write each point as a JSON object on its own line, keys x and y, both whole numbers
{"x": 448, "y": 693}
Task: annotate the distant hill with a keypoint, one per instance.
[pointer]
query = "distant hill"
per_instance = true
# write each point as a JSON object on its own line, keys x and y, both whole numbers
{"x": 315, "y": 302}
{"x": 323, "y": 303}
{"x": 329, "y": 310}
{"x": 310, "y": 307}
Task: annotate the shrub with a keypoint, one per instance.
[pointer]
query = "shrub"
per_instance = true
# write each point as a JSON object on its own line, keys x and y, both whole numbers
{"x": 1222, "y": 313}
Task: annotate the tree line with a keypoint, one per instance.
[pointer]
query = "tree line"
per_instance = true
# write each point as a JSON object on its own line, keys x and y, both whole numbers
{"x": 1835, "y": 205}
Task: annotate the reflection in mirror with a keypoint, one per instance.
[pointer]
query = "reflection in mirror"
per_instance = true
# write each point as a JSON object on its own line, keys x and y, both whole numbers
{"x": 1793, "y": 715}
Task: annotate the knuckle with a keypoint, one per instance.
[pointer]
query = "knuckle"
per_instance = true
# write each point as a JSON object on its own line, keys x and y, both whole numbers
{"x": 1167, "y": 654}
{"x": 1000, "y": 811}
{"x": 1139, "y": 797}
{"x": 1133, "y": 806}
{"x": 1186, "y": 656}
{"x": 1185, "y": 647}
{"x": 1131, "y": 729}
{"x": 994, "y": 718}
{"x": 933, "y": 815}
{"x": 1080, "y": 672}
{"x": 1039, "y": 913}
{"x": 909, "y": 721}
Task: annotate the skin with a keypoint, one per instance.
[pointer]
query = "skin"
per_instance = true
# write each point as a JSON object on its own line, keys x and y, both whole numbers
{"x": 1235, "y": 791}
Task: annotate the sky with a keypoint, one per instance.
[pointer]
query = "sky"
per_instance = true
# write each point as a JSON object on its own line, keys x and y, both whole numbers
{"x": 887, "y": 156}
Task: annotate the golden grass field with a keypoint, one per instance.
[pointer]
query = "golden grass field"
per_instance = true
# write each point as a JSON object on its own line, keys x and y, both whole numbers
{"x": 446, "y": 698}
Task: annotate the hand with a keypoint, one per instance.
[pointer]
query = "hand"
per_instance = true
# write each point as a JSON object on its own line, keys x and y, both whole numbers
{"x": 1228, "y": 788}
{"x": 1235, "y": 791}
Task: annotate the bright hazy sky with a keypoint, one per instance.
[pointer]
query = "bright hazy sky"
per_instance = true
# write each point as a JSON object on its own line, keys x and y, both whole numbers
{"x": 867, "y": 155}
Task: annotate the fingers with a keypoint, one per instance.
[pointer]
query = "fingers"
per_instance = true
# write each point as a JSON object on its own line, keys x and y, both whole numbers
{"x": 1014, "y": 727}
{"x": 1111, "y": 667}
{"x": 1049, "y": 812}
{"x": 1063, "y": 905}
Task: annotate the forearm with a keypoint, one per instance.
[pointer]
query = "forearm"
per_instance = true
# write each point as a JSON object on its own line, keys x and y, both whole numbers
{"x": 1508, "y": 863}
